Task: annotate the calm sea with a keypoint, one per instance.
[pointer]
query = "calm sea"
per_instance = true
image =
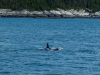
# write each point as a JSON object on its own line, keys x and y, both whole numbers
{"x": 21, "y": 38}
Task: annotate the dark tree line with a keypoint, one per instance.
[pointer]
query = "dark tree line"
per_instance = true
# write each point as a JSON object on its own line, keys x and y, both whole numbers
{"x": 50, "y": 4}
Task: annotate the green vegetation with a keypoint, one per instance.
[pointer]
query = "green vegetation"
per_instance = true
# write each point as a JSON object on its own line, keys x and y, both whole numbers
{"x": 93, "y": 5}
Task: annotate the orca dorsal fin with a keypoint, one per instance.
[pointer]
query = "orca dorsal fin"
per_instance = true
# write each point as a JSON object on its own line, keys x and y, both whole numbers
{"x": 47, "y": 45}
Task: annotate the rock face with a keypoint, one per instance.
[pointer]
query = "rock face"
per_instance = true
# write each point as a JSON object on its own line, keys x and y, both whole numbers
{"x": 59, "y": 13}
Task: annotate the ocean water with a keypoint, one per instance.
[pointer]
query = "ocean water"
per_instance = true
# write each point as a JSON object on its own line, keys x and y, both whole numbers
{"x": 21, "y": 38}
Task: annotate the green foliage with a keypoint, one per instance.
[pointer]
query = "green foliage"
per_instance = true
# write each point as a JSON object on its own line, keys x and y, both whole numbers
{"x": 93, "y": 5}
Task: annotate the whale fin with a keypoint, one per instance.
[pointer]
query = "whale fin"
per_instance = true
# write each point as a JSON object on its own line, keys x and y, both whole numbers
{"x": 47, "y": 45}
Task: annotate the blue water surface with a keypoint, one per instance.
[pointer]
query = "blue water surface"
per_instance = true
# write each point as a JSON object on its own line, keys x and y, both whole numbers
{"x": 21, "y": 38}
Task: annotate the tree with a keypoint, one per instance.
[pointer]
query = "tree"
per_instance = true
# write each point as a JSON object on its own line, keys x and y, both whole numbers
{"x": 50, "y": 4}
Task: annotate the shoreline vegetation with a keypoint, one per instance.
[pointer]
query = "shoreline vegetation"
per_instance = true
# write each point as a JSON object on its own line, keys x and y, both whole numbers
{"x": 50, "y": 8}
{"x": 59, "y": 13}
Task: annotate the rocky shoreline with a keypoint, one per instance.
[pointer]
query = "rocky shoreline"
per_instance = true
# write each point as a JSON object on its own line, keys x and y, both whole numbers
{"x": 59, "y": 13}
